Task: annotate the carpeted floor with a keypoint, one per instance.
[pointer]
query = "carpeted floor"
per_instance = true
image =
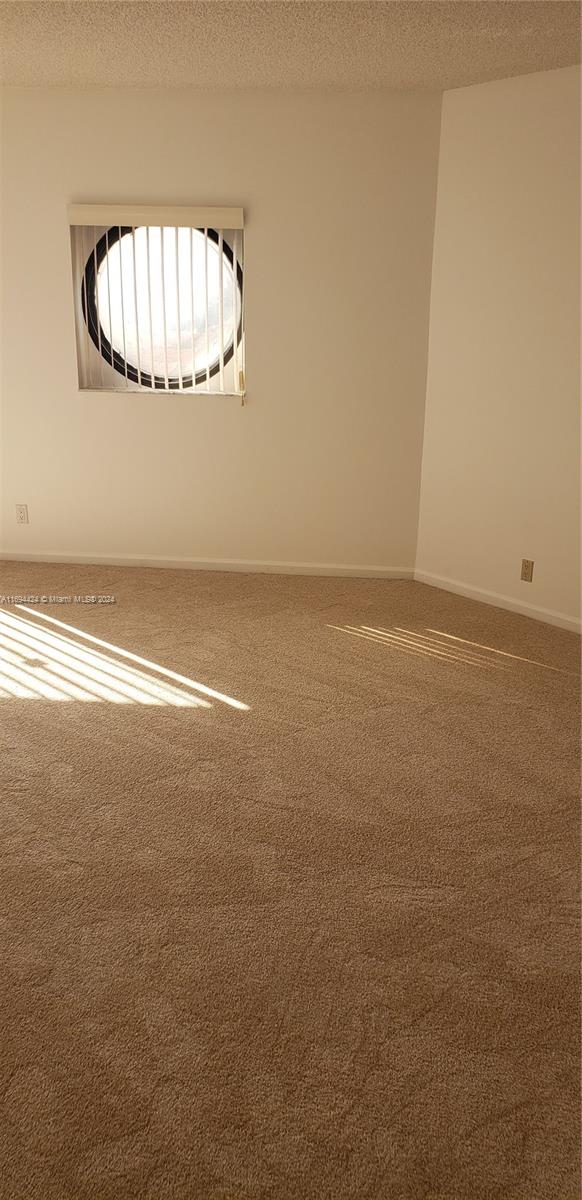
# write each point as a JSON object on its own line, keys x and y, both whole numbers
{"x": 317, "y": 948}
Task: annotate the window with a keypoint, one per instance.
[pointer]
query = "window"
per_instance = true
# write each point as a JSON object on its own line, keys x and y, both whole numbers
{"x": 159, "y": 305}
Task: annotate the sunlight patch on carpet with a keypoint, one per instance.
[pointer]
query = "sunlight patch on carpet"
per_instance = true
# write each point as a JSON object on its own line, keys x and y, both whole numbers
{"x": 37, "y": 662}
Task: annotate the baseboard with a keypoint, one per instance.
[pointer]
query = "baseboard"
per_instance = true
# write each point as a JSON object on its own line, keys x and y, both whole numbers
{"x": 245, "y": 566}
{"x": 273, "y": 567}
{"x": 562, "y": 620}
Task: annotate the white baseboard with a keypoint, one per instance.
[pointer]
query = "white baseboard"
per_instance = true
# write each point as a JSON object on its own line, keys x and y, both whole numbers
{"x": 562, "y": 620}
{"x": 342, "y": 570}
{"x": 244, "y": 566}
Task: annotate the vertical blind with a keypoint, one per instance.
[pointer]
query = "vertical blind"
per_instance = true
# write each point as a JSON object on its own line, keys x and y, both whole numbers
{"x": 159, "y": 298}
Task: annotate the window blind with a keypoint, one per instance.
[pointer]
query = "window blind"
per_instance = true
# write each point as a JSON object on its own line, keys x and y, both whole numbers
{"x": 159, "y": 298}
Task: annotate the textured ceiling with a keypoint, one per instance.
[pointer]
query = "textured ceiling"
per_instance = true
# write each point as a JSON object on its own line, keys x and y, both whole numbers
{"x": 305, "y": 44}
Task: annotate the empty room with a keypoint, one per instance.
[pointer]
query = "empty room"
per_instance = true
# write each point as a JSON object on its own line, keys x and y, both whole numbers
{"x": 289, "y": 600}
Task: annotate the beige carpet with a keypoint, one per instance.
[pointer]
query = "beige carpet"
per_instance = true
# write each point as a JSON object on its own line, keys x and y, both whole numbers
{"x": 317, "y": 948}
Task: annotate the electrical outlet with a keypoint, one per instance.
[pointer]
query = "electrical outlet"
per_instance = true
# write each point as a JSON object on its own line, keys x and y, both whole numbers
{"x": 22, "y": 514}
{"x": 527, "y": 569}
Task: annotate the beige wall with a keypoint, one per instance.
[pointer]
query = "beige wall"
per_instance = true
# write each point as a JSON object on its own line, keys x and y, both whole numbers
{"x": 323, "y": 465}
{"x": 500, "y": 476}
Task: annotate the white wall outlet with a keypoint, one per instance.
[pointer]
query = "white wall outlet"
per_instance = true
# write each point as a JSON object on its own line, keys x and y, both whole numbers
{"x": 22, "y": 514}
{"x": 527, "y": 569}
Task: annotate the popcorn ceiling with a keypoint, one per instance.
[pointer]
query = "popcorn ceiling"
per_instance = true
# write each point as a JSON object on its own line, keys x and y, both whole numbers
{"x": 422, "y": 45}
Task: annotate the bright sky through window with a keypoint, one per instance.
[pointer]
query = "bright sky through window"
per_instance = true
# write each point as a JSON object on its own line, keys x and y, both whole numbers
{"x": 177, "y": 274}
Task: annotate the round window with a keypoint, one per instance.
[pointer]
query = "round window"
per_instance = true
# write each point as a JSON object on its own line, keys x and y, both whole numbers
{"x": 161, "y": 303}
